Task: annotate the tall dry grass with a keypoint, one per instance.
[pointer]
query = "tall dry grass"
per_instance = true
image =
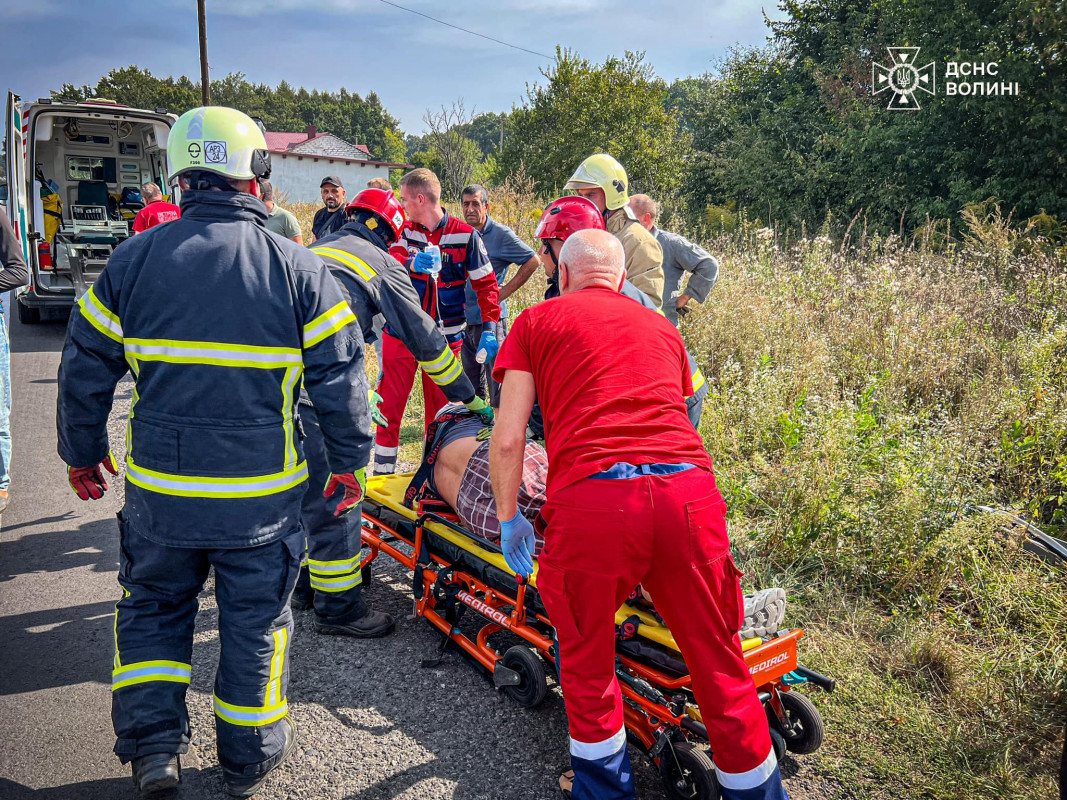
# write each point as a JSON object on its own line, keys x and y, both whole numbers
{"x": 865, "y": 397}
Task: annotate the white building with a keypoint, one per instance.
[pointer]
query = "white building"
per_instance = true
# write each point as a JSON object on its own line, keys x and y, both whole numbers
{"x": 299, "y": 162}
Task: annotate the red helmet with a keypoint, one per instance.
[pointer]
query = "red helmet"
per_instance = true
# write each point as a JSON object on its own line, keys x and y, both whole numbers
{"x": 569, "y": 215}
{"x": 382, "y": 203}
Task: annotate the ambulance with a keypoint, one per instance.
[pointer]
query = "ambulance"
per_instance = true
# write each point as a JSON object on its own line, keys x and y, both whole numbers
{"x": 74, "y": 174}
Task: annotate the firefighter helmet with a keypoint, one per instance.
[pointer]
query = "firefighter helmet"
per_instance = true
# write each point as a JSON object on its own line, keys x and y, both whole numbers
{"x": 568, "y": 215}
{"x": 220, "y": 140}
{"x": 384, "y": 205}
{"x": 604, "y": 171}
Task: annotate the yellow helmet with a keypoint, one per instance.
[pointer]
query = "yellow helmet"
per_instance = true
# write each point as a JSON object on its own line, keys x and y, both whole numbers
{"x": 604, "y": 171}
{"x": 220, "y": 140}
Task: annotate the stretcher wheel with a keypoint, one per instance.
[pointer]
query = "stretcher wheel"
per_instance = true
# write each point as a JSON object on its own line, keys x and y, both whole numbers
{"x": 533, "y": 687}
{"x": 777, "y": 743}
{"x": 689, "y": 774}
{"x": 806, "y": 730}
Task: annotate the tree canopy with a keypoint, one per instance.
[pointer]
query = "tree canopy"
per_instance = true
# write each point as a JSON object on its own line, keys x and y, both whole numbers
{"x": 618, "y": 107}
{"x": 282, "y": 108}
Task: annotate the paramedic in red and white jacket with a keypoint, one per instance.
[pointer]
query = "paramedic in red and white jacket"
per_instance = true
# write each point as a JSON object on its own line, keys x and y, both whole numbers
{"x": 631, "y": 498}
{"x": 442, "y": 294}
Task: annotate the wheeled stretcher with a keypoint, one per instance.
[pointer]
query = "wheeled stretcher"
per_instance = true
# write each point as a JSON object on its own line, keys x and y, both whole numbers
{"x": 455, "y": 572}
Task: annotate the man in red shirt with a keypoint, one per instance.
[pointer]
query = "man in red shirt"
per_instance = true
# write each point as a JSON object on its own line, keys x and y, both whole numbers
{"x": 631, "y": 498}
{"x": 156, "y": 211}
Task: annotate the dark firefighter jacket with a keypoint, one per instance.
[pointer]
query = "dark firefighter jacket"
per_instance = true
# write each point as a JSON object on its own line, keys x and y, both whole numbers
{"x": 218, "y": 320}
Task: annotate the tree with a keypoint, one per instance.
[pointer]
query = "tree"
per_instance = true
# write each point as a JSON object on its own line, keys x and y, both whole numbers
{"x": 282, "y": 108}
{"x": 618, "y": 107}
{"x": 451, "y": 155}
{"x": 792, "y": 131}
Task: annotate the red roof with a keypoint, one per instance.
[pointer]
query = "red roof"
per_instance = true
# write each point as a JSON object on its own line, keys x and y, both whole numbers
{"x": 281, "y": 141}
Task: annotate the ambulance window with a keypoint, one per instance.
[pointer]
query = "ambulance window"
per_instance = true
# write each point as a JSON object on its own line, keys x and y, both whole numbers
{"x": 91, "y": 168}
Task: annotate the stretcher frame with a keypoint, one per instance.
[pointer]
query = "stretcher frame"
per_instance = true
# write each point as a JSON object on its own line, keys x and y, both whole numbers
{"x": 452, "y": 570}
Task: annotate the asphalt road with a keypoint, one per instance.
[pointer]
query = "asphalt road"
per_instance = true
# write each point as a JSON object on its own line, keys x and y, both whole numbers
{"x": 372, "y": 722}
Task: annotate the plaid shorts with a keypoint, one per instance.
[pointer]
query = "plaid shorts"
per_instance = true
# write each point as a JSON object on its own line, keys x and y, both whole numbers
{"x": 476, "y": 505}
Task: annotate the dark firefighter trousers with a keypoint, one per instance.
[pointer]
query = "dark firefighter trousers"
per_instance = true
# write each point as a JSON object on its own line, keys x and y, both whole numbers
{"x": 333, "y": 554}
{"x": 154, "y": 623}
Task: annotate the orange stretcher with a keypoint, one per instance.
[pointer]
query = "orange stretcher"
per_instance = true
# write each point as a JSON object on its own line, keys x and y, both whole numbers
{"x": 455, "y": 572}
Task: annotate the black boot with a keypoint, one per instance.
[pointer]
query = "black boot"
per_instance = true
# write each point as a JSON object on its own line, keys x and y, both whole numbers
{"x": 157, "y": 772}
{"x": 371, "y": 625}
{"x": 247, "y": 785}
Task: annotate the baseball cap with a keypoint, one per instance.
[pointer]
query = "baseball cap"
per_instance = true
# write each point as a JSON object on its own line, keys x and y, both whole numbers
{"x": 332, "y": 179}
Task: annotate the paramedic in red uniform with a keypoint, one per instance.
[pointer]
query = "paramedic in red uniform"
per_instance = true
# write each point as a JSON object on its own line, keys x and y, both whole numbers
{"x": 631, "y": 499}
{"x": 156, "y": 211}
{"x": 440, "y": 285}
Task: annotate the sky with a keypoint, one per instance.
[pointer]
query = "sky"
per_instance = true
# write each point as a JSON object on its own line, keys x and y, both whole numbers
{"x": 413, "y": 63}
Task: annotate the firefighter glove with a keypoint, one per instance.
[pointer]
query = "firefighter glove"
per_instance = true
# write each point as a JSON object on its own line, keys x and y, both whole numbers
{"x": 478, "y": 406}
{"x": 354, "y": 485}
{"x": 376, "y": 414}
{"x": 88, "y": 482}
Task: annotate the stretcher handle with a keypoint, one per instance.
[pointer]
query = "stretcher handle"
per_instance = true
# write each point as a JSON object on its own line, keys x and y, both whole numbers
{"x": 429, "y": 515}
{"x": 693, "y": 726}
{"x": 820, "y": 680}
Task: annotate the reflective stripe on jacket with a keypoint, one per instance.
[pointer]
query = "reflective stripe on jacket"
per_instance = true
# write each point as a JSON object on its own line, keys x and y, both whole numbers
{"x": 374, "y": 282}
{"x": 219, "y": 321}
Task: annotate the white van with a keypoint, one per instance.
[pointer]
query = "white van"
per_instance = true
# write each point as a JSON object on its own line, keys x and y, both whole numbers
{"x": 74, "y": 173}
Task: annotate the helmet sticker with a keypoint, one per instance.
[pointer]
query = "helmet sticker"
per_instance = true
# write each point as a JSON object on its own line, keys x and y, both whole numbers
{"x": 215, "y": 152}
{"x": 194, "y": 149}
{"x": 398, "y": 219}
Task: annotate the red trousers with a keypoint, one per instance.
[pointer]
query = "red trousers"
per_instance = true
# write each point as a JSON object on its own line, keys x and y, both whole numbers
{"x": 668, "y": 533}
{"x": 398, "y": 375}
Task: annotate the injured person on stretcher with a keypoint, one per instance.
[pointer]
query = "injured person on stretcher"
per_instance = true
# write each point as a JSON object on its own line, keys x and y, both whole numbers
{"x": 455, "y": 468}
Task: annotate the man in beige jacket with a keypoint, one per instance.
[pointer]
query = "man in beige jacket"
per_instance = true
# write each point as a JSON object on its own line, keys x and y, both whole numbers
{"x": 602, "y": 179}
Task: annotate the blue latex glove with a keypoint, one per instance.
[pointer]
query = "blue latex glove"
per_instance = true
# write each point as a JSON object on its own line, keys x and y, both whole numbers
{"x": 427, "y": 262}
{"x": 518, "y": 542}
{"x": 487, "y": 347}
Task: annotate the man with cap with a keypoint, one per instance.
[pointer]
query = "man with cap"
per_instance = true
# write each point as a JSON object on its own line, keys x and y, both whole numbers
{"x": 331, "y": 216}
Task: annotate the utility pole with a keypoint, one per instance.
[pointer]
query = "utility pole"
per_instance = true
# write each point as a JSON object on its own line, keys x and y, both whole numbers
{"x": 205, "y": 80}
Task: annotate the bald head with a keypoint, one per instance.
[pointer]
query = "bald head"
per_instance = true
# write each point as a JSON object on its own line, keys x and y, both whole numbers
{"x": 591, "y": 258}
{"x": 645, "y": 209}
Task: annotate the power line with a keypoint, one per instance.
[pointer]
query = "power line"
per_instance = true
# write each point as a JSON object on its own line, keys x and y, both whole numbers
{"x": 466, "y": 30}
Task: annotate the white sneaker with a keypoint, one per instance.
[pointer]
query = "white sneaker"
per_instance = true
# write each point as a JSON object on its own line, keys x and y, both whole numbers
{"x": 764, "y": 613}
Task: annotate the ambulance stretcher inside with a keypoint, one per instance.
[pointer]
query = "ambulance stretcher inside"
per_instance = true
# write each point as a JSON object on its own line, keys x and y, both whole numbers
{"x": 455, "y": 571}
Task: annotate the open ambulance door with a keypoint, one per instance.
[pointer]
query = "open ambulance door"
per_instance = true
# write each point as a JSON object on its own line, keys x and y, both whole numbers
{"x": 16, "y": 173}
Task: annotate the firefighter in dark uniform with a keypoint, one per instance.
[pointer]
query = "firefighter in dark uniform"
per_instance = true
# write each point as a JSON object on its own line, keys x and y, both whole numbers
{"x": 373, "y": 282}
{"x": 218, "y": 320}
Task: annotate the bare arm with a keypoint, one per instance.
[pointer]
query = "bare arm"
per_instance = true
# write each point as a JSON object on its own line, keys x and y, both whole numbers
{"x": 519, "y": 279}
{"x": 508, "y": 445}
{"x": 299, "y": 239}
